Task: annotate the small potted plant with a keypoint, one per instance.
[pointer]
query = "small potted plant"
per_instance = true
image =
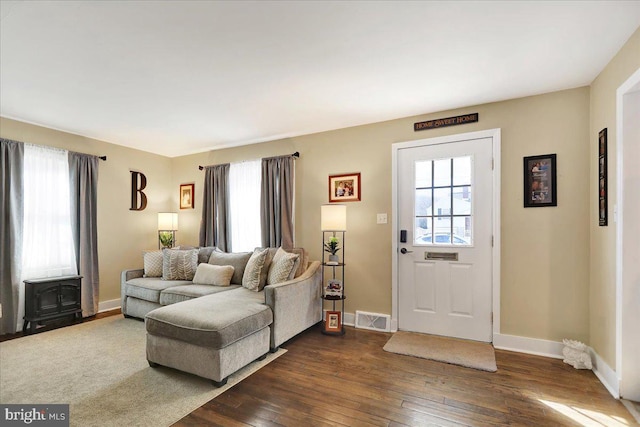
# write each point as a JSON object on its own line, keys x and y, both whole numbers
{"x": 166, "y": 239}
{"x": 331, "y": 246}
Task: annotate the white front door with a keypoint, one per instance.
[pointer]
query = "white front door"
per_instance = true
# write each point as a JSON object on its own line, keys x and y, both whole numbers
{"x": 445, "y": 200}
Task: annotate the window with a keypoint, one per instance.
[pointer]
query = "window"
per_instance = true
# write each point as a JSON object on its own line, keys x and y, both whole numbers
{"x": 443, "y": 202}
{"x": 244, "y": 205}
{"x": 48, "y": 248}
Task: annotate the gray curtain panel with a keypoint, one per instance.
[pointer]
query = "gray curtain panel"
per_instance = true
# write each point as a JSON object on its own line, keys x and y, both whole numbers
{"x": 214, "y": 228}
{"x": 276, "y": 201}
{"x": 83, "y": 190}
{"x": 11, "y": 207}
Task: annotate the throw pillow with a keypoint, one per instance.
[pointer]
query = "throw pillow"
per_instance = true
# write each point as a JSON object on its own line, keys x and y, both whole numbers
{"x": 237, "y": 260}
{"x": 204, "y": 253}
{"x": 153, "y": 264}
{"x": 179, "y": 264}
{"x": 281, "y": 266}
{"x": 216, "y": 275}
{"x": 251, "y": 277}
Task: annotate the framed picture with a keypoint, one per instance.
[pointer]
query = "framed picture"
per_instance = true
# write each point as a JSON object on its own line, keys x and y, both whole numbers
{"x": 333, "y": 289}
{"x": 186, "y": 196}
{"x": 602, "y": 178}
{"x": 333, "y": 321}
{"x": 344, "y": 188}
{"x": 540, "y": 186}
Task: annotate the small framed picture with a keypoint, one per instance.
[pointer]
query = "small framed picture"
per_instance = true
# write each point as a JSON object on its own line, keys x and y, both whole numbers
{"x": 186, "y": 196}
{"x": 333, "y": 288}
{"x": 540, "y": 186}
{"x": 333, "y": 321}
{"x": 344, "y": 188}
{"x": 602, "y": 178}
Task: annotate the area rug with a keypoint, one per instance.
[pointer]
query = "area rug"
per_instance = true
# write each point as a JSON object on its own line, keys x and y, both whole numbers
{"x": 471, "y": 354}
{"x": 100, "y": 369}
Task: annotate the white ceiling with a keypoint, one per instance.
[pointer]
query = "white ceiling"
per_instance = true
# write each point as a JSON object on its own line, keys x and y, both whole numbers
{"x": 180, "y": 77}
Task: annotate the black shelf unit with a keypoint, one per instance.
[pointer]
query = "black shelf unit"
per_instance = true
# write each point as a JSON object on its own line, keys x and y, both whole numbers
{"x": 334, "y": 272}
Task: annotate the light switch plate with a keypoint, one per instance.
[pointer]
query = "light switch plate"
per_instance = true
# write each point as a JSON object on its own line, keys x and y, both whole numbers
{"x": 382, "y": 218}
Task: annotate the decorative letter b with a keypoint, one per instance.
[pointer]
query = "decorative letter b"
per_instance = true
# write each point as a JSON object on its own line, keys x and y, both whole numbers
{"x": 135, "y": 189}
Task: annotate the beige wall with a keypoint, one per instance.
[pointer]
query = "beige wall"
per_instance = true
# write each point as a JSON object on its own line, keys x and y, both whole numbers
{"x": 545, "y": 251}
{"x": 603, "y": 239}
{"x": 122, "y": 234}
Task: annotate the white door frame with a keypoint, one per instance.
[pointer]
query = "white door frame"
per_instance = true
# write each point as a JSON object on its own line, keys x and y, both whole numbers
{"x": 626, "y": 87}
{"x": 395, "y": 232}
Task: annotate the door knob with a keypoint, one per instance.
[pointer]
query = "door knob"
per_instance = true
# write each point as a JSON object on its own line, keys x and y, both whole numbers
{"x": 405, "y": 251}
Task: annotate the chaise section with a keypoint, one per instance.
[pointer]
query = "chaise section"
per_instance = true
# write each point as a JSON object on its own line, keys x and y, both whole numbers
{"x": 296, "y": 304}
{"x": 212, "y": 336}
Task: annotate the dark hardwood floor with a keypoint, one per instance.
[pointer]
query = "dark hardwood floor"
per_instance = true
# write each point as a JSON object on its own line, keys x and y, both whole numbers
{"x": 328, "y": 381}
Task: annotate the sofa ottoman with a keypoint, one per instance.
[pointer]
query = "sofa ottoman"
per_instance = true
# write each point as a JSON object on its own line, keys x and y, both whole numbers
{"x": 212, "y": 336}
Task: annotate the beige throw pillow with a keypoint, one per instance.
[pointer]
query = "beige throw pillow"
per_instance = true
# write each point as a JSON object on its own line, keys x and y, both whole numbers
{"x": 216, "y": 275}
{"x": 178, "y": 264}
{"x": 153, "y": 264}
{"x": 281, "y": 266}
{"x": 251, "y": 277}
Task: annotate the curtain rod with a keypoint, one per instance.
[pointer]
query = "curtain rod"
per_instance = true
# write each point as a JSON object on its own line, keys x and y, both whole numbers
{"x": 295, "y": 155}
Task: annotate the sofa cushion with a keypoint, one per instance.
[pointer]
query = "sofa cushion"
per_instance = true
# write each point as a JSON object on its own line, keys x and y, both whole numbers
{"x": 252, "y": 273}
{"x": 149, "y": 288}
{"x": 179, "y": 264}
{"x": 176, "y": 294}
{"x": 281, "y": 267}
{"x": 216, "y": 275}
{"x": 204, "y": 253}
{"x": 214, "y": 321}
{"x": 237, "y": 260}
{"x": 153, "y": 264}
{"x": 302, "y": 263}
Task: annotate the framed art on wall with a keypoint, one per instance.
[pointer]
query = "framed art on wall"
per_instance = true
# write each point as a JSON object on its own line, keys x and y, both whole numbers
{"x": 344, "y": 188}
{"x": 540, "y": 186}
{"x": 602, "y": 178}
{"x": 186, "y": 196}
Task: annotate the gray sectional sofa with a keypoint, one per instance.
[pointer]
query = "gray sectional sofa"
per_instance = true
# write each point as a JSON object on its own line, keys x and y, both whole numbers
{"x": 212, "y": 331}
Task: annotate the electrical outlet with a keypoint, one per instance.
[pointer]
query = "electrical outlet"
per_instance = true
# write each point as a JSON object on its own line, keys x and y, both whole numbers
{"x": 382, "y": 218}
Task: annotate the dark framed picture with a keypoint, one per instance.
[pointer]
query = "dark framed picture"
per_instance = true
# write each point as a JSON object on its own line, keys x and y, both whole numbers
{"x": 333, "y": 321}
{"x": 186, "y": 196}
{"x": 540, "y": 186}
{"x": 602, "y": 178}
{"x": 344, "y": 188}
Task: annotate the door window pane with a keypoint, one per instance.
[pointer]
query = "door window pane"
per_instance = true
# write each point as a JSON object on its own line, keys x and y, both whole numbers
{"x": 462, "y": 230}
{"x": 442, "y": 172}
{"x": 423, "y": 202}
{"x": 462, "y": 200}
{"x": 442, "y": 201}
{"x": 462, "y": 170}
{"x": 423, "y": 174}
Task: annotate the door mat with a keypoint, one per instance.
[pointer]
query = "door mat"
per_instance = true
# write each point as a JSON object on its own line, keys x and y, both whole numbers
{"x": 470, "y": 354}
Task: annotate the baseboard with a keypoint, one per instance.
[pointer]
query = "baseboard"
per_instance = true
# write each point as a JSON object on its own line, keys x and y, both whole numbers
{"x": 527, "y": 345}
{"x": 108, "y": 305}
{"x": 605, "y": 374}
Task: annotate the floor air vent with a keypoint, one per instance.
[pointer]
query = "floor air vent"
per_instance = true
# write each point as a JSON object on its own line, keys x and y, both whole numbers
{"x": 373, "y": 321}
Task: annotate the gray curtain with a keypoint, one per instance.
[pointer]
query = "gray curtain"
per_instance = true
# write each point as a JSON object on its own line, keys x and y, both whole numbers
{"x": 83, "y": 190}
{"x": 276, "y": 201}
{"x": 11, "y": 208}
{"x": 214, "y": 228}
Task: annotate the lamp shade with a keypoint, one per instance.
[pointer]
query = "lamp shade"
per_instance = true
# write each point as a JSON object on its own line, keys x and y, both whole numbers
{"x": 333, "y": 217}
{"x": 167, "y": 221}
